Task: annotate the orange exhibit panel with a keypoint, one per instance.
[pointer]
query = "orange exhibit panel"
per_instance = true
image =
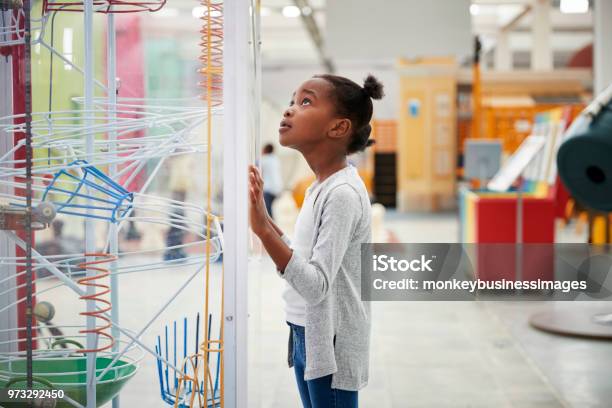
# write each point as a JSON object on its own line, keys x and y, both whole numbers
{"x": 426, "y": 141}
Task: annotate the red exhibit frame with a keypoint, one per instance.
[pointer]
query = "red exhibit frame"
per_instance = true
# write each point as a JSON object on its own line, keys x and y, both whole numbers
{"x": 17, "y": 53}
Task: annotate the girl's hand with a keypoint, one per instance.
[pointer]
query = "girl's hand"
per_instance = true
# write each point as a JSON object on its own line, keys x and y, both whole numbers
{"x": 258, "y": 215}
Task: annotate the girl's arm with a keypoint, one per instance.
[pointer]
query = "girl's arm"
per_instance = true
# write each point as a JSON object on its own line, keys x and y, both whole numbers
{"x": 276, "y": 247}
{"x": 261, "y": 224}
{"x": 275, "y": 228}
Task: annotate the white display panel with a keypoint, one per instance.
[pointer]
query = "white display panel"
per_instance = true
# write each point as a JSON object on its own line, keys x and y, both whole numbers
{"x": 517, "y": 163}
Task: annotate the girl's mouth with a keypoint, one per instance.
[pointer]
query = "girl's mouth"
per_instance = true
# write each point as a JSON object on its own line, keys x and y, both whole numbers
{"x": 284, "y": 126}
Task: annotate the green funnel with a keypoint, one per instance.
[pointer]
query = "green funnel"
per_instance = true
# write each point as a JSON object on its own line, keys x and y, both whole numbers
{"x": 69, "y": 375}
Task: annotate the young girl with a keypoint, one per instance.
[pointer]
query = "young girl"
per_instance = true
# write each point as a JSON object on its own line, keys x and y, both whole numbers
{"x": 327, "y": 119}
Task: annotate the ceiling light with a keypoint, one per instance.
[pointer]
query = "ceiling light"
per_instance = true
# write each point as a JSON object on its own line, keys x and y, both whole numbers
{"x": 474, "y": 9}
{"x": 291, "y": 11}
{"x": 574, "y": 6}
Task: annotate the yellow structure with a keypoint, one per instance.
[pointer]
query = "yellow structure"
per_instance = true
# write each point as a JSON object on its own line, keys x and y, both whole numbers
{"x": 426, "y": 143}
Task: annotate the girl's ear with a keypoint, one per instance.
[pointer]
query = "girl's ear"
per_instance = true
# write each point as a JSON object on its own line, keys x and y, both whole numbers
{"x": 340, "y": 128}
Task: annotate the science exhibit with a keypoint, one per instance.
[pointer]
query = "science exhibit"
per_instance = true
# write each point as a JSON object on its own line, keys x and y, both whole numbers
{"x": 87, "y": 141}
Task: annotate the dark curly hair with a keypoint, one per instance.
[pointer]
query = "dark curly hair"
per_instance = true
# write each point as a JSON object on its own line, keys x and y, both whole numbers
{"x": 355, "y": 103}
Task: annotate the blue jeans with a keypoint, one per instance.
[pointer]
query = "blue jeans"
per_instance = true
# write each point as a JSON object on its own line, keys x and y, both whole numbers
{"x": 316, "y": 393}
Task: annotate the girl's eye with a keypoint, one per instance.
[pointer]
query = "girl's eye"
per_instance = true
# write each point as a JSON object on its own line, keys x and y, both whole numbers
{"x": 306, "y": 101}
{"x": 291, "y": 103}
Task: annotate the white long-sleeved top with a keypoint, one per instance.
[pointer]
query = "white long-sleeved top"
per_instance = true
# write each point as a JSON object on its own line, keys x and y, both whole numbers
{"x": 295, "y": 305}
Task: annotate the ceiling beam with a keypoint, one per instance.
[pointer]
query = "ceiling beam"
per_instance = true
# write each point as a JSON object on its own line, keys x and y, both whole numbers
{"x": 315, "y": 34}
{"x": 512, "y": 23}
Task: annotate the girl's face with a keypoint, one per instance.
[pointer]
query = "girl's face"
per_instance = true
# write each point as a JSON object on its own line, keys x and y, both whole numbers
{"x": 310, "y": 116}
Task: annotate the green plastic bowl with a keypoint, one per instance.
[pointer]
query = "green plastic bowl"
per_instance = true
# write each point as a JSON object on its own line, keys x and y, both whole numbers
{"x": 57, "y": 372}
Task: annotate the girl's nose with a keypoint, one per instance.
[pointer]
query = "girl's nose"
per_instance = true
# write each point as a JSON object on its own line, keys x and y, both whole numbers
{"x": 288, "y": 112}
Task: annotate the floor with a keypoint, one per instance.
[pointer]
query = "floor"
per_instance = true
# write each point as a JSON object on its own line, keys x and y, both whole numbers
{"x": 424, "y": 354}
{"x": 447, "y": 354}
{"x": 443, "y": 354}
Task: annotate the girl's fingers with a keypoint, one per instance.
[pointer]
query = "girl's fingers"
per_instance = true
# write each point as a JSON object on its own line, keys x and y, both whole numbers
{"x": 258, "y": 176}
{"x": 255, "y": 183}
{"x": 255, "y": 179}
{"x": 254, "y": 191}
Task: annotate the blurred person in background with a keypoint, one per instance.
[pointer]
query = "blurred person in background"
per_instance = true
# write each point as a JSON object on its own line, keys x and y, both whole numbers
{"x": 180, "y": 183}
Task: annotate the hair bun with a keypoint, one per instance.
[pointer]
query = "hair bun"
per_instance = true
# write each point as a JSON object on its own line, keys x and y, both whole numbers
{"x": 372, "y": 87}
